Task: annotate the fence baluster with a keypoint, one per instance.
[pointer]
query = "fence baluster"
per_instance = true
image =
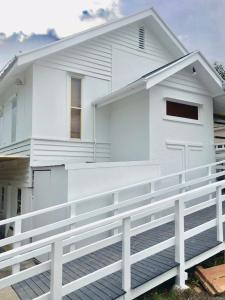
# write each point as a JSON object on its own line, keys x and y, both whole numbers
{"x": 179, "y": 243}
{"x": 56, "y": 270}
{"x": 219, "y": 214}
{"x": 126, "y": 265}
{"x": 73, "y": 213}
{"x": 115, "y": 202}
{"x": 17, "y": 230}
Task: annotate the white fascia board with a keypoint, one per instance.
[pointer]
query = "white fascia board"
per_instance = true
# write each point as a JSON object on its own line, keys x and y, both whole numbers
{"x": 81, "y": 37}
{"x": 121, "y": 93}
{"x": 180, "y": 65}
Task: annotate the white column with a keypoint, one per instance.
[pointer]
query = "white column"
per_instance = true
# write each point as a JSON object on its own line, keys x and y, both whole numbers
{"x": 8, "y": 206}
{"x": 126, "y": 265}
{"x": 26, "y": 206}
{"x": 56, "y": 271}
{"x": 179, "y": 243}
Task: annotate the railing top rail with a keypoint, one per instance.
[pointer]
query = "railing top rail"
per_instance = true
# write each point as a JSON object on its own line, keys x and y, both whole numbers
{"x": 186, "y": 196}
{"x": 98, "y": 195}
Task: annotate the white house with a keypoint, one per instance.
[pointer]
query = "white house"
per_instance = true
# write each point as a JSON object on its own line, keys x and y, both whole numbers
{"x": 100, "y": 109}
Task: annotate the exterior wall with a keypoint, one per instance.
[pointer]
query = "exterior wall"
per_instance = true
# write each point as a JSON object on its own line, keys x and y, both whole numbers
{"x": 51, "y": 103}
{"x": 44, "y": 101}
{"x": 180, "y": 144}
{"x": 129, "y": 128}
{"x": 130, "y": 63}
{"x": 50, "y": 188}
{"x": 24, "y": 107}
{"x": 50, "y": 151}
{"x": 103, "y": 177}
{"x": 98, "y": 57}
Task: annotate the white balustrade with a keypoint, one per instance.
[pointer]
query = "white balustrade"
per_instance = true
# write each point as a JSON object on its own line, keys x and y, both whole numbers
{"x": 55, "y": 244}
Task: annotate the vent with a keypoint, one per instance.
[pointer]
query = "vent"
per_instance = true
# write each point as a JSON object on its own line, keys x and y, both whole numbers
{"x": 141, "y": 39}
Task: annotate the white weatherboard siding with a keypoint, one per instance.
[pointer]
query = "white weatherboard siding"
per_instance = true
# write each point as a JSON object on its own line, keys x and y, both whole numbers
{"x": 99, "y": 57}
{"x": 180, "y": 144}
{"x": 24, "y": 108}
{"x": 46, "y": 151}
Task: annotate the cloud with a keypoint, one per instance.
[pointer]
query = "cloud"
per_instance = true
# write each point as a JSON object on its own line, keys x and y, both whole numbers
{"x": 20, "y": 42}
{"x": 105, "y": 14}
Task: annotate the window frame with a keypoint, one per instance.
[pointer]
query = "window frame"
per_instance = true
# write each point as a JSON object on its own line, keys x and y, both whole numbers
{"x": 181, "y": 119}
{"x": 81, "y": 78}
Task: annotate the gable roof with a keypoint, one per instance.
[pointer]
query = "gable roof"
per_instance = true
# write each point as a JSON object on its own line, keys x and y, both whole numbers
{"x": 147, "y": 81}
{"x": 28, "y": 57}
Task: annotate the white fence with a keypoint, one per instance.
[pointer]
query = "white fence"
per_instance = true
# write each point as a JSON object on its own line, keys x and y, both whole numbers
{"x": 117, "y": 227}
{"x": 220, "y": 151}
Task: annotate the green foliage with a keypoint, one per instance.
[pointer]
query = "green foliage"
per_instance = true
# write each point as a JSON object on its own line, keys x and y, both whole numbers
{"x": 220, "y": 70}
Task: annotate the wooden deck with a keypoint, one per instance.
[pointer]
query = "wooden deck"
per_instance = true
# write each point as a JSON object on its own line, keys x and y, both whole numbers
{"x": 144, "y": 271}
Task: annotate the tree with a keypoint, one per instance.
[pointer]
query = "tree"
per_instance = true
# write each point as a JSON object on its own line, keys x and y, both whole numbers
{"x": 220, "y": 69}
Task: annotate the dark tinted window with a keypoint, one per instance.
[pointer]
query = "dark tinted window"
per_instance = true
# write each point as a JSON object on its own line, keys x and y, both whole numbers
{"x": 181, "y": 110}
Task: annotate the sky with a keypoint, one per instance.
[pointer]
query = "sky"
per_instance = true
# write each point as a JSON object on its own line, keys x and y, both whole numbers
{"x": 26, "y": 24}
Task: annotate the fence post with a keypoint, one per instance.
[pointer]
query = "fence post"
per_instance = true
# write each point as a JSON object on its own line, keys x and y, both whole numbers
{"x": 17, "y": 230}
{"x": 151, "y": 189}
{"x": 73, "y": 213}
{"x": 126, "y": 264}
{"x": 56, "y": 270}
{"x": 182, "y": 180}
{"x": 115, "y": 202}
{"x": 219, "y": 214}
{"x": 179, "y": 243}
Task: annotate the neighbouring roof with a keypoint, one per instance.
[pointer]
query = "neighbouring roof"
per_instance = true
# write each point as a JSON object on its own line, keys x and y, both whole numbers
{"x": 31, "y": 56}
{"x": 205, "y": 71}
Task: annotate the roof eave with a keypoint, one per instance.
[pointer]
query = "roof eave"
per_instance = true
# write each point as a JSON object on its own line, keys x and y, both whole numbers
{"x": 97, "y": 31}
{"x": 172, "y": 69}
{"x": 132, "y": 88}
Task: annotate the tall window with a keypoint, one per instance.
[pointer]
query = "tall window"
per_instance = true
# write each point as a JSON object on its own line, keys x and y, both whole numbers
{"x": 75, "y": 127}
{"x": 181, "y": 110}
{"x": 13, "y": 119}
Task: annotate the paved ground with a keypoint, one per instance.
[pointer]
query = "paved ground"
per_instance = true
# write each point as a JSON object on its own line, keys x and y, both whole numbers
{"x": 110, "y": 287}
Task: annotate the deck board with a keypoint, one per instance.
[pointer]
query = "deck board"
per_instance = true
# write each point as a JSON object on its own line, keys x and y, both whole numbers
{"x": 110, "y": 287}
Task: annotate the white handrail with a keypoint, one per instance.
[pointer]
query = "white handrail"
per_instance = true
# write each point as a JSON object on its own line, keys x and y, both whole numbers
{"x": 98, "y": 195}
{"x": 55, "y": 244}
{"x": 73, "y": 219}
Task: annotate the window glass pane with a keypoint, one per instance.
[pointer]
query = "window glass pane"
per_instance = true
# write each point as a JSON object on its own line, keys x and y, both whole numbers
{"x": 75, "y": 92}
{"x": 18, "y": 210}
{"x": 75, "y": 123}
{"x": 181, "y": 110}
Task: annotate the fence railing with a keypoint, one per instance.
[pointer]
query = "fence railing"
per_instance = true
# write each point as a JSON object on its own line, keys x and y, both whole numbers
{"x": 56, "y": 245}
{"x": 220, "y": 151}
{"x": 153, "y": 192}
